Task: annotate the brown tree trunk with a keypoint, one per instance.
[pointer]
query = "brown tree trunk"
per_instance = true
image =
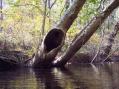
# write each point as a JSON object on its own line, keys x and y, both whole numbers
{"x": 108, "y": 42}
{"x": 44, "y": 18}
{"x": 86, "y": 33}
{"x": 55, "y": 37}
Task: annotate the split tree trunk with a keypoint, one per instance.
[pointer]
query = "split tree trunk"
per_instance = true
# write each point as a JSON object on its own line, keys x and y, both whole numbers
{"x": 85, "y": 34}
{"x": 108, "y": 42}
{"x": 55, "y": 37}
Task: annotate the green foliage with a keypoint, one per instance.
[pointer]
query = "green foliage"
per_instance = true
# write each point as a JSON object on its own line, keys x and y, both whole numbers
{"x": 88, "y": 11}
{"x": 23, "y": 22}
{"x": 93, "y": 1}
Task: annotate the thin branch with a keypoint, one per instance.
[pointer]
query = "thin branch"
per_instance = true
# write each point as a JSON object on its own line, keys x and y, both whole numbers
{"x": 53, "y": 4}
{"x": 98, "y": 47}
{"x": 110, "y": 54}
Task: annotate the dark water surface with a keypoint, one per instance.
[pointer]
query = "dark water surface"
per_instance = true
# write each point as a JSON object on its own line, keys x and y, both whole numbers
{"x": 81, "y": 76}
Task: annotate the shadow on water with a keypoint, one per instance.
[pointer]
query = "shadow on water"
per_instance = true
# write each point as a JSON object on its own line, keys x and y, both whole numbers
{"x": 83, "y": 76}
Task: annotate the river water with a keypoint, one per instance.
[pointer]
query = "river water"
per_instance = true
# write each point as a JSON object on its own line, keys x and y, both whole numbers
{"x": 80, "y": 76}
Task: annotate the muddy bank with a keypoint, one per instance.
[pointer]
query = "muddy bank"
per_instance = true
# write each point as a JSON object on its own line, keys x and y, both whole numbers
{"x": 12, "y": 58}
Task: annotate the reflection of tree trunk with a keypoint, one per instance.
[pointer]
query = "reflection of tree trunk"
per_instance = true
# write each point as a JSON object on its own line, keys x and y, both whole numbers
{"x": 55, "y": 37}
{"x": 86, "y": 33}
{"x": 47, "y": 78}
{"x": 53, "y": 79}
{"x": 108, "y": 42}
{"x": 77, "y": 82}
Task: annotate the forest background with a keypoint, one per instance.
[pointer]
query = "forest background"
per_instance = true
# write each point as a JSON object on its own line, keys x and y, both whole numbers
{"x": 24, "y": 23}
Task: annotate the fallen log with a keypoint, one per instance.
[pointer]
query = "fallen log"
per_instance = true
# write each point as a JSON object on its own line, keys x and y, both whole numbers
{"x": 8, "y": 63}
{"x": 12, "y": 59}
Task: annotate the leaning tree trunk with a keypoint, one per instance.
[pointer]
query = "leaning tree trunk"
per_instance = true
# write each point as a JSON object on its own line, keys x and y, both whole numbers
{"x": 85, "y": 34}
{"x": 108, "y": 42}
{"x": 54, "y": 40}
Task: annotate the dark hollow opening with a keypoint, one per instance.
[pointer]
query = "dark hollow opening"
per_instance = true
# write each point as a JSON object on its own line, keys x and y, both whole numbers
{"x": 53, "y": 39}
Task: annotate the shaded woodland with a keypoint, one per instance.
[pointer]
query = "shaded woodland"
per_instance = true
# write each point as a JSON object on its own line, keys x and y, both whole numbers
{"x": 53, "y": 33}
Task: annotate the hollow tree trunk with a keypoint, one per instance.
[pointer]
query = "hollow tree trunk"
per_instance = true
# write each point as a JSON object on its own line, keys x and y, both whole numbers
{"x": 55, "y": 37}
{"x": 85, "y": 34}
{"x": 108, "y": 42}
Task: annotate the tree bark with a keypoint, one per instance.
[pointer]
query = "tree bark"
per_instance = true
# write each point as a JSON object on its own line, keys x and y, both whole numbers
{"x": 1, "y": 7}
{"x": 108, "y": 43}
{"x": 55, "y": 37}
{"x": 85, "y": 34}
{"x": 44, "y": 18}
{"x": 70, "y": 15}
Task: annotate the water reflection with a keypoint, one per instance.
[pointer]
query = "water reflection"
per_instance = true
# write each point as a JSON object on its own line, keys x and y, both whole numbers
{"x": 83, "y": 76}
{"x": 17, "y": 79}
{"x": 47, "y": 78}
